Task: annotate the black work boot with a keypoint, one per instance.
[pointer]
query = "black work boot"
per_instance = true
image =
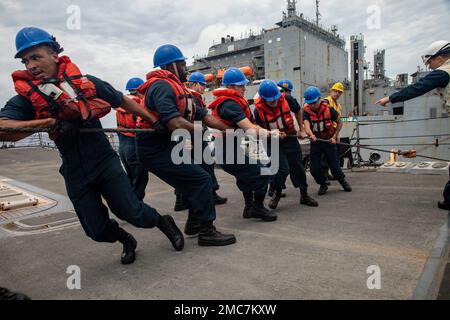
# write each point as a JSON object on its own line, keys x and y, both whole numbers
{"x": 275, "y": 199}
{"x": 345, "y": 185}
{"x": 193, "y": 225}
{"x": 168, "y": 226}
{"x": 129, "y": 247}
{"x": 248, "y": 198}
{"x": 323, "y": 189}
{"x": 272, "y": 192}
{"x": 444, "y": 206}
{"x": 180, "y": 202}
{"x": 259, "y": 211}
{"x": 306, "y": 200}
{"x": 210, "y": 237}
{"x": 218, "y": 200}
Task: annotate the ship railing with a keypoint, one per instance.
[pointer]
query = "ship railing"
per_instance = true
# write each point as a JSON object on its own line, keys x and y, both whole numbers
{"x": 359, "y": 142}
{"x": 37, "y": 140}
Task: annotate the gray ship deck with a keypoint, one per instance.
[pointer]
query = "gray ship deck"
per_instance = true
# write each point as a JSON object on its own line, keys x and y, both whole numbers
{"x": 390, "y": 220}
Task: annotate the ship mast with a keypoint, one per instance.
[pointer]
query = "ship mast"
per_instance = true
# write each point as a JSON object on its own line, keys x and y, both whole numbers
{"x": 318, "y": 15}
{"x": 292, "y": 8}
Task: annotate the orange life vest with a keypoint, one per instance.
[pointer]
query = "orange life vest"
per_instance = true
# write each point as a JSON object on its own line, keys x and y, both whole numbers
{"x": 321, "y": 123}
{"x": 223, "y": 95}
{"x": 198, "y": 97}
{"x": 185, "y": 102}
{"x": 127, "y": 120}
{"x": 69, "y": 96}
{"x": 279, "y": 117}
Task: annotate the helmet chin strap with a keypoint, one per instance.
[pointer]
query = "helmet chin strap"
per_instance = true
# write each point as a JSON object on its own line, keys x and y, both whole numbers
{"x": 175, "y": 68}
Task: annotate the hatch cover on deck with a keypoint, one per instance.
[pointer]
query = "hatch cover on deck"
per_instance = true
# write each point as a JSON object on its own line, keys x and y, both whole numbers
{"x": 16, "y": 202}
{"x": 44, "y": 223}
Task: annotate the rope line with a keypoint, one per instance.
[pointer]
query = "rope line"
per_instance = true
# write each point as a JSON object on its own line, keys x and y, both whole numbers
{"x": 110, "y": 130}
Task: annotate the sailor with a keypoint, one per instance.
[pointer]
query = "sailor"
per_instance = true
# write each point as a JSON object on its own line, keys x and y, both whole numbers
{"x": 318, "y": 118}
{"x": 170, "y": 101}
{"x": 231, "y": 108}
{"x": 333, "y": 101}
{"x": 53, "y": 93}
{"x": 437, "y": 58}
{"x": 197, "y": 85}
{"x": 286, "y": 87}
{"x": 274, "y": 111}
{"x": 336, "y": 92}
{"x": 137, "y": 175}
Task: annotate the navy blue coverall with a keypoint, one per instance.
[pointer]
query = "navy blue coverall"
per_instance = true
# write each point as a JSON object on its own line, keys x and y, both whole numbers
{"x": 290, "y": 156}
{"x": 92, "y": 170}
{"x": 327, "y": 150}
{"x": 137, "y": 175}
{"x": 154, "y": 153}
{"x": 208, "y": 167}
{"x": 248, "y": 176}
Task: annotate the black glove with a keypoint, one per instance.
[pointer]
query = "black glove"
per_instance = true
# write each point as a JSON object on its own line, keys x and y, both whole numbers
{"x": 67, "y": 130}
{"x": 160, "y": 129}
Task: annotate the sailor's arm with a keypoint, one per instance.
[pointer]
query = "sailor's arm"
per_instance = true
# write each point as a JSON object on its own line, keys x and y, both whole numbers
{"x": 15, "y": 124}
{"x": 309, "y": 131}
{"x": 181, "y": 123}
{"x": 436, "y": 79}
{"x": 247, "y": 125}
{"x": 301, "y": 130}
{"x": 136, "y": 109}
{"x": 212, "y": 122}
{"x": 339, "y": 127}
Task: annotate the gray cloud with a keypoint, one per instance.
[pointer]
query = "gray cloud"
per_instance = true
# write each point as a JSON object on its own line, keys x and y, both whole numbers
{"x": 117, "y": 38}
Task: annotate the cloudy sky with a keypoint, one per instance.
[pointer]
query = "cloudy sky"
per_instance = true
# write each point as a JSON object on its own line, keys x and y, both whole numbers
{"x": 116, "y": 39}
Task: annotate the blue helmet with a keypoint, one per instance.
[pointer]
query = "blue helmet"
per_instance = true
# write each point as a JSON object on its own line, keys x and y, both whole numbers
{"x": 134, "y": 83}
{"x": 286, "y": 85}
{"x": 167, "y": 54}
{"x": 312, "y": 95}
{"x": 234, "y": 77}
{"x": 197, "y": 77}
{"x": 31, "y": 36}
{"x": 269, "y": 91}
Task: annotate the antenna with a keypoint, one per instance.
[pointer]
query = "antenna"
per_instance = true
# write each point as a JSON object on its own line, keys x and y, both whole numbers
{"x": 318, "y": 15}
{"x": 292, "y": 8}
{"x": 334, "y": 29}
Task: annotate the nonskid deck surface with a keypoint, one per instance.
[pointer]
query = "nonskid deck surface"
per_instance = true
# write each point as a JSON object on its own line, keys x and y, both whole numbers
{"x": 390, "y": 221}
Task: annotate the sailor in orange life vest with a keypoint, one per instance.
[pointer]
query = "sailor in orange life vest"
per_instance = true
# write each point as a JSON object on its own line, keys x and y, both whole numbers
{"x": 231, "y": 108}
{"x": 274, "y": 111}
{"x": 137, "y": 175}
{"x": 53, "y": 93}
{"x": 318, "y": 119}
{"x": 196, "y": 85}
{"x": 333, "y": 101}
{"x": 171, "y": 102}
{"x": 286, "y": 87}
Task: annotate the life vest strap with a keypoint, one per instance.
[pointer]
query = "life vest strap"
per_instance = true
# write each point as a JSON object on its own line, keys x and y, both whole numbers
{"x": 53, "y": 105}
{"x": 78, "y": 92}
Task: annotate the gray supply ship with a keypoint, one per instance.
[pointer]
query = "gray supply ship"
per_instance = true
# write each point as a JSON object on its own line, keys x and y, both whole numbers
{"x": 300, "y": 50}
